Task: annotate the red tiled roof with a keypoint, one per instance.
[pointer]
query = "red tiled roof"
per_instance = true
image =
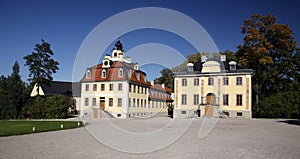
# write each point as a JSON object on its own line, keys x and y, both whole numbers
{"x": 112, "y": 73}
{"x": 159, "y": 87}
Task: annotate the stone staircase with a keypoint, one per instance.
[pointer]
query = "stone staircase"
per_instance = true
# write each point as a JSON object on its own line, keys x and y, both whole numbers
{"x": 106, "y": 114}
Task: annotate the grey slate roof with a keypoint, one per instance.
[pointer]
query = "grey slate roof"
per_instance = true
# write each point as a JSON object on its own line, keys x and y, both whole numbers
{"x": 62, "y": 88}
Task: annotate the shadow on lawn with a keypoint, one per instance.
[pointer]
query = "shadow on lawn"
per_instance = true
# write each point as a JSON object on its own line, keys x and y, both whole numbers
{"x": 291, "y": 121}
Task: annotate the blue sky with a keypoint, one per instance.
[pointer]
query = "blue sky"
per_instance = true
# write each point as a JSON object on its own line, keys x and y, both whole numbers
{"x": 66, "y": 23}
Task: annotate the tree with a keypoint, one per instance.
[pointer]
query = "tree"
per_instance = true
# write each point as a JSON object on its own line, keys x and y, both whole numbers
{"x": 41, "y": 65}
{"x": 270, "y": 49}
{"x": 16, "y": 92}
{"x": 4, "y": 98}
{"x": 166, "y": 78}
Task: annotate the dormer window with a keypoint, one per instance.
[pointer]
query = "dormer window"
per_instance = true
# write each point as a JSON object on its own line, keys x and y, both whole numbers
{"x": 115, "y": 54}
{"x": 103, "y": 74}
{"x": 120, "y": 72}
{"x": 88, "y": 74}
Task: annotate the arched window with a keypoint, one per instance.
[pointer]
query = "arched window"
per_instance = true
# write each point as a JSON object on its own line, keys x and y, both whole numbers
{"x": 120, "y": 72}
{"x": 88, "y": 74}
{"x": 103, "y": 74}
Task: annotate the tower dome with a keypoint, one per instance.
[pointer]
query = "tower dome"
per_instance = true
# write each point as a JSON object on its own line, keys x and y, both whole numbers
{"x": 118, "y": 45}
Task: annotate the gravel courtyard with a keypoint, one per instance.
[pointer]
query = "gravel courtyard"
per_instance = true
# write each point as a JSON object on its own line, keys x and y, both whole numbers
{"x": 163, "y": 138}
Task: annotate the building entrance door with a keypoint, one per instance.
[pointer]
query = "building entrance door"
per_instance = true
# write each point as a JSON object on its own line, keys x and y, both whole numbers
{"x": 211, "y": 98}
{"x": 209, "y": 110}
{"x": 102, "y": 103}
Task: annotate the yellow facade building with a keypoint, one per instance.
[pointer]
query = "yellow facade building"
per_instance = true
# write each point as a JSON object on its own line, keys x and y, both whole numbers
{"x": 209, "y": 89}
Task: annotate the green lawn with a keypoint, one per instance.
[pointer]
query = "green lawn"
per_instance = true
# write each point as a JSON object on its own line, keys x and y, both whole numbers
{"x": 9, "y": 128}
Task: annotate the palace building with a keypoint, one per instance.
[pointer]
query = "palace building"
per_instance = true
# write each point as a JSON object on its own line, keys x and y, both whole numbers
{"x": 210, "y": 88}
{"x": 117, "y": 88}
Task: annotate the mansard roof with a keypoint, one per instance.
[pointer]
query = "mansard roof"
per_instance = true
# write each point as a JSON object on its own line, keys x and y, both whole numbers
{"x": 136, "y": 76}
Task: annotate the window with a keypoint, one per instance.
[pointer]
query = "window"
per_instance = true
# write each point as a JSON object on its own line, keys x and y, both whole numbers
{"x": 142, "y": 90}
{"x": 88, "y": 74}
{"x": 183, "y": 112}
{"x": 152, "y": 104}
{"x": 145, "y": 103}
{"x": 183, "y": 99}
{"x": 119, "y": 102}
{"x": 133, "y": 102}
{"x": 196, "y": 81}
{"x": 115, "y": 54}
{"x": 94, "y": 87}
{"x": 111, "y": 87}
{"x": 86, "y": 102}
{"x": 110, "y": 102}
{"x": 103, "y": 74}
{"x": 239, "y": 99}
{"x": 138, "y": 89}
{"x": 102, "y": 87}
{"x": 129, "y": 102}
{"x": 183, "y": 82}
{"x": 120, "y": 72}
{"x": 225, "y": 99}
{"x": 239, "y": 81}
{"x": 130, "y": 87}
{"x": 120, "y": 86}
{"x": 239, "y": 114}
{"x": 210, "y": 81}
{"x": 94, "y": 102}
{"x": 87, "y": 87}
{"x": 196, "y": 99}
{"x": 141, "y": 103}
{"x": 137, "y": 102}
{"x": 134, "y": 88}
{"x": 225, "y": 81}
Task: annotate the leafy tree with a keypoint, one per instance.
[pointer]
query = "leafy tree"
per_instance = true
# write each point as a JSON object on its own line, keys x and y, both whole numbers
{"x": 16, "y": 92}
{"x": 271, "y": 50}
{"x": 166, "y": 78}
{"x": 4, "y": 98}
{"x": 12, "y": 95}
{"x": 53, "y": 107}
{"x": 41, "y": 65}
{"x": 57, "y": 107}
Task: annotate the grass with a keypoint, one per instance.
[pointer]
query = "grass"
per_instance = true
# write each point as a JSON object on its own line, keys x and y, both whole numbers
{"x": 10, "y": 128}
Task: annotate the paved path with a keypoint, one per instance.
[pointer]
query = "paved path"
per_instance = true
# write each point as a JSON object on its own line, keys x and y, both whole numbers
{"x": 230, "y": 138}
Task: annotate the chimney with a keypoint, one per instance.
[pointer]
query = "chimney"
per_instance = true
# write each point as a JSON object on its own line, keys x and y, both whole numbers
{"x": 152, "y": 83}
{"x": 232, "y": 66}
{"x": 190, "y": 68}
{"x": 223, "y": 58}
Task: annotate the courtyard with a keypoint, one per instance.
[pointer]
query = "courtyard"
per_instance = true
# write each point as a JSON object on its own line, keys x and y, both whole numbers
{"x": 162, "y": 137}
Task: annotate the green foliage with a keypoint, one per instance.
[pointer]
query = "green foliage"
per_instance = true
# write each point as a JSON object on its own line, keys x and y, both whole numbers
{"x": 166, "y": 78}
{"x": 55, "y": 107}
{"x": 280, "y": 105}
{"x": 41, "y": 65}
{"x": 4, "y": 98}
{"x": 270, "y": 49}
{"x": 12, "y": 94}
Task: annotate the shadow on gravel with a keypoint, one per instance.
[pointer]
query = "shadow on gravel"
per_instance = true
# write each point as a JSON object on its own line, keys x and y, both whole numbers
{"x": 291, "y": 121}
